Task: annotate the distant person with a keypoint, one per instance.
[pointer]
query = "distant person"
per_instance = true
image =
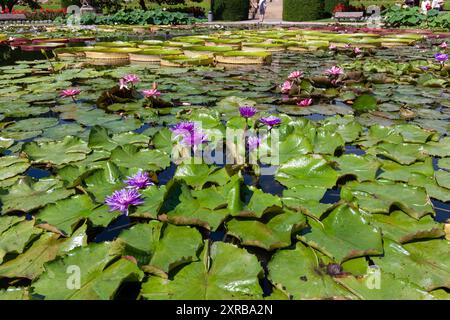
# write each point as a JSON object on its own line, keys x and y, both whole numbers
{"x": 437, "y": 4}
{"x": 425, "y": 6}
{"x": 262, "y": 6}
{"x": 253, "y": 9}
{"x": 409, "y": 3}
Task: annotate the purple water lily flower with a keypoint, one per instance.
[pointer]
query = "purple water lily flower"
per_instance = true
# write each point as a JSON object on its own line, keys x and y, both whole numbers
{"x": 441, "y": 57}
{"x": 194, "y": 139}
{"x": 140, "y": 180}
{"x": 247, "y": 111}
{"x": 183, "y": 128}
{"x": 122, "y": 199}
{"x": 253, "y": 143}
{"x": 270, "y": 121}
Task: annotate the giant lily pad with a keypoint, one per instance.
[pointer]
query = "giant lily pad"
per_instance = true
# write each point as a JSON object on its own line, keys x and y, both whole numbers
{"x": 214, "y": 277}
{"x": 344, "y": 234}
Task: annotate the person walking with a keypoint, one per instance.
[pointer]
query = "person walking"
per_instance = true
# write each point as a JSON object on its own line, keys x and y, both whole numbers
{"x": 262, "y": 6}
{"x": 437, "y": 4}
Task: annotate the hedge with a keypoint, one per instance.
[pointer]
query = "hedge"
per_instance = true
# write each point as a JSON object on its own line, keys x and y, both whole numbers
{"x": 231, "y": 10}
{"x": 303, "y": 10}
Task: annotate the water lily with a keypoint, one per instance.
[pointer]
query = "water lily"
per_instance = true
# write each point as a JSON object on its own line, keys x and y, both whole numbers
{"x": 295, "y": 75}
{"x": 247, "y": 111}
{"x": 305, "y": 103}
{"x": 270, "y": 121}
{"x": 151, "y": 93}
{"x": 140, "y": 180}
{"x": 131, "y": 78}
{"x": 357, "y": 50}
{"x": 253, "y": 143}
{"x": 286, "y": 87}
{"x": 70, "y": 93}
{"x": 348, "y": 45}
{"x": 332, "y": 47}
{"x": 443, "y": 45}
{"x": 441, "y": 57}
{"x": 194, "y": 139}
{"x": 183, "y": 128}
{"x": 123, "y": 84}
{"x": 122, "y": 199}
{"x": 334, "y": 71}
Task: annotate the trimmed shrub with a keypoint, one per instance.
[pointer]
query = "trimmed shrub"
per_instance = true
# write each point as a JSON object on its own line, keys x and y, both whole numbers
{"x": 231, "y": 10}
{"x": 302, "y": 10}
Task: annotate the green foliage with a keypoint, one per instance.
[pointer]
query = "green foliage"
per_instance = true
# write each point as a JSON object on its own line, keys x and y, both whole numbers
{"x": 139, "y": 17}
{"x": 303, "y": 10}
{"x": 231, "y": 10}
{"x": 412, "y": 17}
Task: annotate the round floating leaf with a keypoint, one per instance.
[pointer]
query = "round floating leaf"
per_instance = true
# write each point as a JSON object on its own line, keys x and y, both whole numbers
{"x": 378, "y": 197}
{"x": 344, "y": 234}
{"x": 69, "y": 150}
{"x": 311, "y": 170}
{"x": 11, "y": 166}
{"x": 26, "y": 195}
{"x": 216, "y": 277}
{"x": 425, "y": 263}
{"x": 365, "y": 103}
{"x": 99, "y": 281}
{"x": 300, "y": 272}
{"x": 128, "y": 156}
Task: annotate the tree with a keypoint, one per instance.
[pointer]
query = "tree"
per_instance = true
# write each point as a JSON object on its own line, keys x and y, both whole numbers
{"x": 9, "y": 4}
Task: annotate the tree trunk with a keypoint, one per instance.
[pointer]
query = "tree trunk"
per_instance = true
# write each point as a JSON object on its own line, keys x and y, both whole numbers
{"x": 11, "y": 5}
{"x": 142, "y": 4}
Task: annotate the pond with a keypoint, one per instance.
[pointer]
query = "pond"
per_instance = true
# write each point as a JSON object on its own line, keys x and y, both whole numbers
{"x": 358, "y": 180}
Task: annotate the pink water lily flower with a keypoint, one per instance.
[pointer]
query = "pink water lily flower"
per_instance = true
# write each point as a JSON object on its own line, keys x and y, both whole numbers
{"x": 70, "y": 93}
{"x": 286, "y": 87}
{"x": 305, "y": 103}
{"x": 443, "y": 45}
{"x": 123, "y": 84}
{"x": 151, "y": 93}
{"x": 357, "y": 50}
{"x": 334, "y": 71}
{"x": 295, "y": 75}
{"x": 332, "y": 47}
{"x": 131, "y": 78}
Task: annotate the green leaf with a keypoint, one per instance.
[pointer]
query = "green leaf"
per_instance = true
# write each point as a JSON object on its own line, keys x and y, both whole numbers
{"x": 403, "y": 153}
{"x": 196, "y": 175}
{"x": 11, "y": 166}
{"x": 425, "y": 263}
{"x": 128, "y": 156}
{"x": 365, "y": 103}
{"x": 30, "y": 264}
{"x": 343, "y": 234}
{"x": 260, "y": 202}
{"x": 271, "y": 235}
{"x": 26, "y": 195}
{"x": 66, "y": 214}
{"x": 165, "y": 246}
{"x": 98, "y": 280}
{"x": 401, "y": 228}
{"x": 364, "y": 168}
{"x": 153, "y": 200}
{"x": 390, "y": 288}
{"x": 380, "y": 196}
{"x": 300, "y": 273}
{"x": 213, "y": 278}
{"x": 69, "y": 150}
{"x": 311, "y": 170}
{"x": 14, "y": 294}
{"x": 15, "y": 233}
